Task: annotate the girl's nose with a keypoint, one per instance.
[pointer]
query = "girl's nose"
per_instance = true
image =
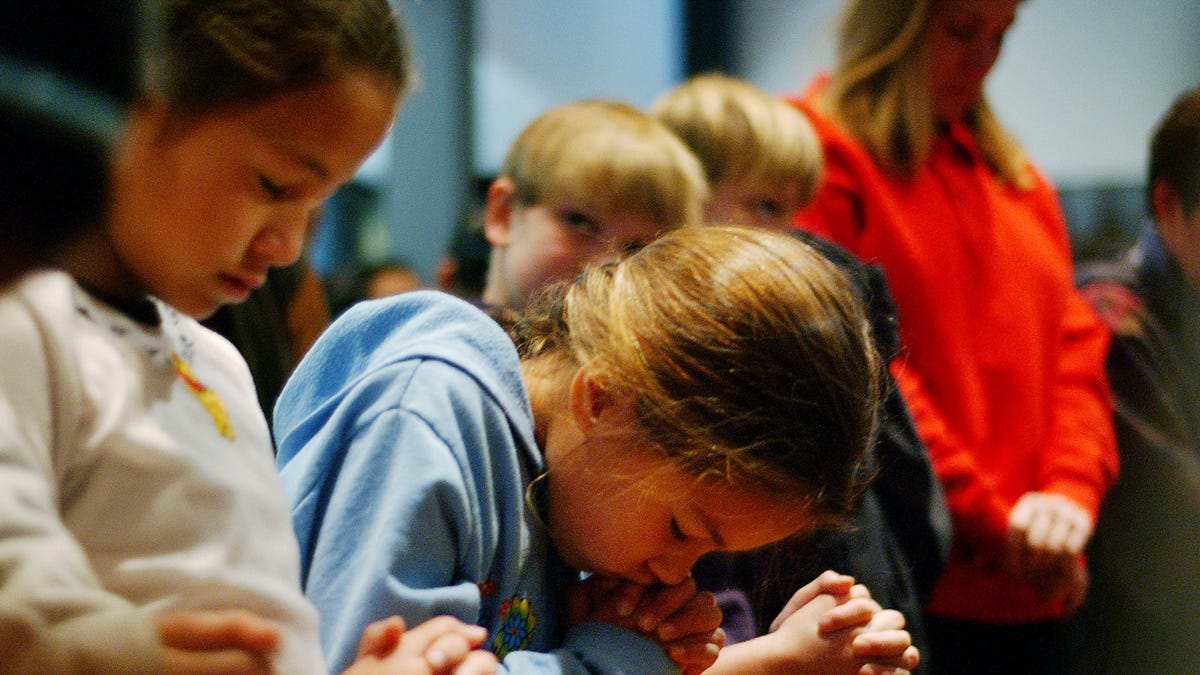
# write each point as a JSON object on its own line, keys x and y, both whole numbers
{"x": 669, "y": 573}
{"x": 673, "y": 567}
{"x": 282, "y": 242}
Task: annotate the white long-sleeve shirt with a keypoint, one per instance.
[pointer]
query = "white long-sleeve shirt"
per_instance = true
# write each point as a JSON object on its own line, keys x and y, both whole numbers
{"x": 136, "y": 475}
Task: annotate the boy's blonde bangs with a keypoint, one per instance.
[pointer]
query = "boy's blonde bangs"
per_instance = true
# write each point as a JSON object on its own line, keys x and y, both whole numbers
{"x": 780, "y": 147}
{"x": 741, "y": 132}
{"x": 607, "y": 157}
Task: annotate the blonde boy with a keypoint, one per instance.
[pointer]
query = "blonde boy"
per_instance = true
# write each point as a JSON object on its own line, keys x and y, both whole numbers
{"x": 583, "y": 183}
{"x": 760, "y": 155}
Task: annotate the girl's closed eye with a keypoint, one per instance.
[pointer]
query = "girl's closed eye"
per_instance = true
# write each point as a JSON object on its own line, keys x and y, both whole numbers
{"x": 269, "y": 187}
{"x": 677, "y": 531}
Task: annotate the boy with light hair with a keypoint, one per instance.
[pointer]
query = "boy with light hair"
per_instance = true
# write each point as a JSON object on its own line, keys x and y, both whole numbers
{"x": 760, "y": 155}
{"x": 585, "y": 182}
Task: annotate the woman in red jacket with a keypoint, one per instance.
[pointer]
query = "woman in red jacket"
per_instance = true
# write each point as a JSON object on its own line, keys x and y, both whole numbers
{"x": 1002, "y": 363}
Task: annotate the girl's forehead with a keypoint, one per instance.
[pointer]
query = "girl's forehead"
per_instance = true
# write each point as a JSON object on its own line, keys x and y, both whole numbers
{"x": 742, "y": 517}
{"x": 737, "y": 515}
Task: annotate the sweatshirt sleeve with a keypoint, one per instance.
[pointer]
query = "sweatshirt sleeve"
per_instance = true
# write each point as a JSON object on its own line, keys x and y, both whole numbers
{"x": 1081, "y": 462}
{"x": 393, "y": 520}
{"x": 979, "y": 513}
{"x": 54, "y": 614}
{"x": 594, "y": 648}
{"x": 386, "y": 539}
{"x": 1081, "y": 458}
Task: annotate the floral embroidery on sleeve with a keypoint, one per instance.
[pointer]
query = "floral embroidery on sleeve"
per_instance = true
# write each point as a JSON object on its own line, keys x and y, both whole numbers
{"x": 516, "y": 627}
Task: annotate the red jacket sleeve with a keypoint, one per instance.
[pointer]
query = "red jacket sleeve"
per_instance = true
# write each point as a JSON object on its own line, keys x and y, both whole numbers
{"x": 979, "y": 512}
{"x": 1082, "y": 461}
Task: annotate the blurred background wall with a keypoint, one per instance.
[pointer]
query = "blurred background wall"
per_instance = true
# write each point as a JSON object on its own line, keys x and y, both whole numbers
{"x": 1081, "y": 83}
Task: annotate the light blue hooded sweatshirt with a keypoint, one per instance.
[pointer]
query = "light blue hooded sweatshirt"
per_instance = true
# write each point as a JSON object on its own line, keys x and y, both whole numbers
{"x": 406, "y": 447}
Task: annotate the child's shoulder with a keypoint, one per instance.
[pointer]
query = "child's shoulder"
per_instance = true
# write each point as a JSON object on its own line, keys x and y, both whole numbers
{"x": 45, "y": 290}
{"x": 424, "y": 341}
{"x": 415, "y": 325}
{"x": 40, "y": 308}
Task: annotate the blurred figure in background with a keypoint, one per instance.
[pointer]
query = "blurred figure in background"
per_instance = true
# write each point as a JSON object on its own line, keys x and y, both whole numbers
{"x": 1001, "y": 361}
{"x": 463, "y": 270}
{"x": 760, "y": 155}
{"x": 375, "y": 280}
{"x": 585, "y": 182}
{"x": 66, "y": 75}
{"x": 1144, "y": 601}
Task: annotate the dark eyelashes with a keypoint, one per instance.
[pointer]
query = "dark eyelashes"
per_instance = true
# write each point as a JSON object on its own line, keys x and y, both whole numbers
{"x": 676, "y": 532}
{"x": 273, "y": 190}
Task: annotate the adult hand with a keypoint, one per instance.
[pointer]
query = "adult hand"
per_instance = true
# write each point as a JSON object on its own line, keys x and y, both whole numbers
{"x": 1047, "y": 534}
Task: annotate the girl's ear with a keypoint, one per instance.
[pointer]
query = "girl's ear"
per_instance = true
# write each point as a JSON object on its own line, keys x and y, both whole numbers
{"x": 592, "y": 398}
{"x": 497, "y": 211}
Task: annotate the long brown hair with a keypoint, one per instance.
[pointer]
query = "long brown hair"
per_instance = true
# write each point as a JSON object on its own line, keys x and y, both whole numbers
{"x": 748, "y": 354}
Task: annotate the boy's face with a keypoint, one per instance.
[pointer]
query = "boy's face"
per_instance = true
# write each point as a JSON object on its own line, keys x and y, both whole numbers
{"x": 552, "y": 241}
{"x": 1179, "y": 228}
{"x": 203, "y": 207}
{"x": 752, "y": 203}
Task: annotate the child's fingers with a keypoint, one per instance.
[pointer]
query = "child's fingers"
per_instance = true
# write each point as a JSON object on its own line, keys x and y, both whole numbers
{"x": 859, "y": 591}
{"x": 222, "y": 662}
{"x": 696, "y": 653}
{"x": 381, "y": 638}
{"x": 700, "y": 615}
{"x": 235, "y": 629}
{"x": 628, "y": 595}
{"x": 873, "y": 645}
{"x": 577, "y": 602}
{"x": 828, "y": 583}
{"x": 660, "y": 602}
{"x": 427, "y": 635}
{"x": 478, "y": 662}
{"x": 447, "y": 651}
{"x": 853, "y": 613}
{"x": 902, "y": 662}
{"x": 872, "y": 669}
{"x": 887, "y": 619}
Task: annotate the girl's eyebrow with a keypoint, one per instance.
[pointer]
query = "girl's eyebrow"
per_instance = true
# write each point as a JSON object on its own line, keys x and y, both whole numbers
{"x": 313, "y": 164}
{"x": 711, "y": 527}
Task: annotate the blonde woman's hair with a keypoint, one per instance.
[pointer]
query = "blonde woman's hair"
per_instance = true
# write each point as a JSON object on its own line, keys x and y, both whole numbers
{"x": 740, "y": 131}
{"x": 748, "y": 354}
{"x": 879, "y": 91}
{"x": 607, "y": 157}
